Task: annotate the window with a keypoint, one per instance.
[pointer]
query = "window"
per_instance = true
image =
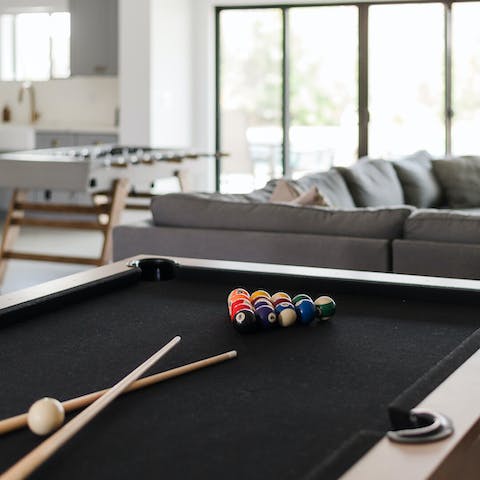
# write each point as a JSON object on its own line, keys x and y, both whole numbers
{"x": 346, "y": 81}
{"x": 34, "y": 46}
{"x": 466, "y": 75}
{"x": 323, "y": 88}
{"x": 251, "y": 98}
{"x": 406, "y": 93}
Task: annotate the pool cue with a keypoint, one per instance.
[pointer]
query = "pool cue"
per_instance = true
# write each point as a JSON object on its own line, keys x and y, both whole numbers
{"x": 30, "y": 462}
{"x": 19, "y": 421}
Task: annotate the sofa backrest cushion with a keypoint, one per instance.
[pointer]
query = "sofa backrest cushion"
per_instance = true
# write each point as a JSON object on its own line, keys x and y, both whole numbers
{"x": 197, "y": 211}
{"x": 373, "y": 183}
{"x": 448, "y": 226}
{"x": 420, "y": 186}
{"x": 460, "y": 179}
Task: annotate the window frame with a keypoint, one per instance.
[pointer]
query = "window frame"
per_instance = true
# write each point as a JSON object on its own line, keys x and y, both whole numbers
{"x": 363, "y": 75}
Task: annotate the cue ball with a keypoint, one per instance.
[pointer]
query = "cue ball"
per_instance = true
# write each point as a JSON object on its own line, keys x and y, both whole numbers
{"x": 45, "y": 416}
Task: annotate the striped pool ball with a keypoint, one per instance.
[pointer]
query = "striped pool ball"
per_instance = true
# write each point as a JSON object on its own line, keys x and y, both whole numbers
{"x": 262, "y": 301}
{"x": 238, "y": 296}
{"x": 301, "y": 296}
{"x": 326, "y": 307}
{"x": 305, "y": 311}
{"x": 266, "y": 316}
{"x": 237, "y": 291}
{"x": 259, "y": 293}
{"x": 245, "y": 321}
{"x": 240, "y": 305}
{"x": 280, "y": 297}
{"x": 286, "y": 314}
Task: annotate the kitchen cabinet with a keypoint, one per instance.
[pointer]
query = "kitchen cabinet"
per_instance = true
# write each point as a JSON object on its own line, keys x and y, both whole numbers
{"x": 71, "y": 139}
{"x": 94, "y": 37}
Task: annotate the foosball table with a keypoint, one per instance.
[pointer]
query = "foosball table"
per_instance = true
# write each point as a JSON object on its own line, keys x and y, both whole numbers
{"x": 109, "y": 174}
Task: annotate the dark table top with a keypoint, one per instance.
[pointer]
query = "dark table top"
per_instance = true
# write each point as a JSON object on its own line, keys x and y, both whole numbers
{"x": 285, "y": 405}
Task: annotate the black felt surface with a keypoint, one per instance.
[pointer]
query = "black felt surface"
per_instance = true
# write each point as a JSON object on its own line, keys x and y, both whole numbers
{"x": 290, "y": 399}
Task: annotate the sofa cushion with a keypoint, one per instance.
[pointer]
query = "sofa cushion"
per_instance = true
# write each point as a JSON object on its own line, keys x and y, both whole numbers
{"x": 330, "y": 184}
{"x": 193, "y": 211}
{"x": 373, "y": 183}
{"x": 420, "y": 186}
{"x": 450, "y": 226}
{"x": 460, "y": 178}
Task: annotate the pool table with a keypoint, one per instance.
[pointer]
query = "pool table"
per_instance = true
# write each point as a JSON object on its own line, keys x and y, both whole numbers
{"x": 303, "y": 402}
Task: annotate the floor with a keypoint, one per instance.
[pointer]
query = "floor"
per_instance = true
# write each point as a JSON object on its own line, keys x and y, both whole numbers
{"x": 22, "y": 273}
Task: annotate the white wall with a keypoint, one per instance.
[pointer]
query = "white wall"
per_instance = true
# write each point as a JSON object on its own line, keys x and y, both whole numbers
{"x": 77, "y": 101}
{"x": 134, "y": 71}
{"x": 171, "y": 75}
{"x": 155, "y": 72}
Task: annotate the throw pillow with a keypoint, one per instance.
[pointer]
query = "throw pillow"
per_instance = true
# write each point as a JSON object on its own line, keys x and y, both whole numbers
{"x": 373, "y": 183}
{"x": 420, "y": 186}
{"x": 460, "y": 178}
{"x": 284, "y": 192}
{"x": 311, "y": 197}
{"x": 330, "y": 184}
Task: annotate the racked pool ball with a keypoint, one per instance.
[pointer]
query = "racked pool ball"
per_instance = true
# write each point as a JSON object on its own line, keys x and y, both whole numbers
{"x": 301, "y": 296}
{"x": 238, "y": 291}
{"x": 325, "y": 307}
{"x": 262, "y": 301}
{"x": 306, "y": 310}
{"x": 280, "y": 297}
{"x": 286, "y": 314}
{"x": 266, "y": 316}
{"x": 259, "y": 294}
{"x": 245, "y": 321}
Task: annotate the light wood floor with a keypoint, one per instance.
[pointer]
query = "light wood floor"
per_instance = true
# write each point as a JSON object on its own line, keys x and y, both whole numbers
{"x": 22, "y": 273}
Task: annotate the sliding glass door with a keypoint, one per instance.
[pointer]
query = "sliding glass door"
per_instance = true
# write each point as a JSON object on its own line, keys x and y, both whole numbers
{"x": 303, "y": 87}
{"x": 466, "y": 78}
{"x": 406, "y": 78}
{"x": 250, "y": 97}
{"x": 323, "y": 93}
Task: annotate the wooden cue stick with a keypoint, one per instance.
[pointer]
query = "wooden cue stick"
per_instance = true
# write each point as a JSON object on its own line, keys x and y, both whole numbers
{"x": 20, "y": 421}
{"x": 30, "y": 462}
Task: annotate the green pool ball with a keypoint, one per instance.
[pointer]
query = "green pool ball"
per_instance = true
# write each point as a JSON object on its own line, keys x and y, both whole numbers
{"x": 325, "y": 307}
{"x": 299, "y": 297}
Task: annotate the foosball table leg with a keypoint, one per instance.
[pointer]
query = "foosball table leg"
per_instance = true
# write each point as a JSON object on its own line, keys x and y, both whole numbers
{"x": 118, "y": 200}
{"x": 10, "y": 231}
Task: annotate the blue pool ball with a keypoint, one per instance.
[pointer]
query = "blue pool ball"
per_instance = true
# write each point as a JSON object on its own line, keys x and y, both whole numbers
{"x": 266, "y": 316}
{"x": 305, "y": 311}
{"x": 286, "y": 314}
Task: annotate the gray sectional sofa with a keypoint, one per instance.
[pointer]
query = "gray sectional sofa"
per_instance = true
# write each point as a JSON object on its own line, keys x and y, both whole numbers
{"x": 414, "y": 215}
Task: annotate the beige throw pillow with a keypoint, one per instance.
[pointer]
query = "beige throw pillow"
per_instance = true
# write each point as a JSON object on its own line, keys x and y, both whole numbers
{"x": 311, "y": 197}
{"x": 283, "y": 192}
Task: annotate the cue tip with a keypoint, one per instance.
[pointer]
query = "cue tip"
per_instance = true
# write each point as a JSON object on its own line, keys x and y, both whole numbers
{"x": 232, "y": 354}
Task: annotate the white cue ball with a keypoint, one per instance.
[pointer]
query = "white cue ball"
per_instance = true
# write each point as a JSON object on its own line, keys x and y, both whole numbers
{"x": 45, "y": 416}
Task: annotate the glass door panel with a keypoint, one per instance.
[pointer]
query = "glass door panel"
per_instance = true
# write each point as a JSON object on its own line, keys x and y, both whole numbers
{"x": 323, "y": 88}
{"x": 250, "y": 97}
{"x": 466, "y": 78}
{"x": 406, "y": 79}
